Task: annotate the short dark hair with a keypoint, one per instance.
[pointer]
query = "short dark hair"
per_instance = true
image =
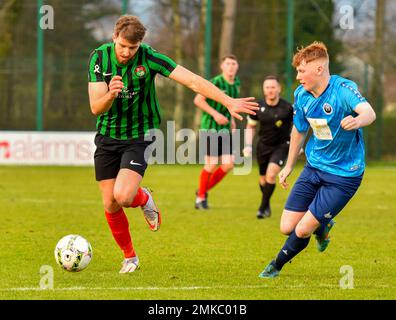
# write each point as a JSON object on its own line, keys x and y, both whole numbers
{"x": 229, "y": 56}
{"x": 130, "y": 28}
{"x": 271, "y": 77}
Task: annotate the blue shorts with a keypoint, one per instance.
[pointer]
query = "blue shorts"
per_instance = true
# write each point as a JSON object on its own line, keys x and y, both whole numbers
{"x": 322, "y": 193}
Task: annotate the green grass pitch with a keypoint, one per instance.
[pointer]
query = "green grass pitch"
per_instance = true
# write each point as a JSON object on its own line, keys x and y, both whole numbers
{"x": 215, "y": 254}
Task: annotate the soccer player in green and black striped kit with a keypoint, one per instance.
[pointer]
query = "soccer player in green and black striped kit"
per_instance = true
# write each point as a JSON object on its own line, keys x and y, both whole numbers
{"x": 122, "y": 96}
{"x": 216, "y": 131}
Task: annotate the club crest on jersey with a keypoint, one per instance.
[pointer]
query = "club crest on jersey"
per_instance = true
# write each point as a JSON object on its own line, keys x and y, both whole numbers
{"x": 262, "y": 109}
{"x": 140, "y": 71}
{"x": 328, "y": 109}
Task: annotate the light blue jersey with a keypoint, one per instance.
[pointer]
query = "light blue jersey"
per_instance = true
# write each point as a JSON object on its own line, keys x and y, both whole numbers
{"x": 331, "y": 148}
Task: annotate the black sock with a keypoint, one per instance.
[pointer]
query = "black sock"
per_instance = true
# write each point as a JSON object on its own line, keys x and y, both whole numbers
{"x": 291, "y": 248}
{"x": 267, "y": 190}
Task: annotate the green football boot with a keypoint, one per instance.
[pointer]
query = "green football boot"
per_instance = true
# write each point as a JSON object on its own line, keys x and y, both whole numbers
{"x": 323, "y": 240}
{"x": 270, "y": 271}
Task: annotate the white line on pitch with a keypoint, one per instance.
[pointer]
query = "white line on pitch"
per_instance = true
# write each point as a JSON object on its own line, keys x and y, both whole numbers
{"x": 135, "y": 288}
{"x": 176, "y": 288}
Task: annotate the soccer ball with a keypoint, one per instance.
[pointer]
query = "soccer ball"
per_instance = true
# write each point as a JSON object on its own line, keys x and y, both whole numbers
{"x": 73, "y": 253}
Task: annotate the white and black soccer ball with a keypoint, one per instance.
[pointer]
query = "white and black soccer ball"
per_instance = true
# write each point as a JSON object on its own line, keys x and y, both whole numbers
{"x": 73, "y": 253}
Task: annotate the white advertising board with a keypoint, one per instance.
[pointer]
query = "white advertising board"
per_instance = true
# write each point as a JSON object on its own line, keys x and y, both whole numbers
{"x": 47, "y": 148}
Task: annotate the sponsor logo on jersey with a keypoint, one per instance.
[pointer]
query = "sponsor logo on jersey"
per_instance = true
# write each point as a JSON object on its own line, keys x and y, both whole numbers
{"x": 327, "y": 108}
{"x": 140, "y": 71}
{"x": 126, "y": 94}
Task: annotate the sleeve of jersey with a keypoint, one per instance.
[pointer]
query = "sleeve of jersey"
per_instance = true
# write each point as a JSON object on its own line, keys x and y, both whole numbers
{"x": 160, "y": 63}
{"x": 351, "y": 96}
{"x": 252, "y": 118}
{"x": 95, "y": 68}
{"x": 299, "y": 119}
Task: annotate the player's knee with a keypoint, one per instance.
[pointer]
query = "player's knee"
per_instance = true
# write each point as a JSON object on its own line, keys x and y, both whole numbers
{"x": 286, "y": 228}
{"x": 270, "y": 178}
{"x": 227, "y": 167}
{"x": 110, "y": 204}
{"x": 210, "y": 167}
{"x": 262, "y": 180}
{"x": 124, "y": 198}
{"x": 303, "y": 231}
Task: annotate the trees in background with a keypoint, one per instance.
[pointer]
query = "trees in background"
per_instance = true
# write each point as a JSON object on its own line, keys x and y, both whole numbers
{"x": 254, "y": 30}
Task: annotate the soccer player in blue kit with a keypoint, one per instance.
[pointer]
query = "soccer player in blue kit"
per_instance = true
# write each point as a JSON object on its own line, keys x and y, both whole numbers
{"x": 335, "y": 110}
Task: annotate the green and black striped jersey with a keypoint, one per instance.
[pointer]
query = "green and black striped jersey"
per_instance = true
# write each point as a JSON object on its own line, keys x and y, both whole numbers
{"x": 232, "y": 90}
{"x": 136, "y": 109}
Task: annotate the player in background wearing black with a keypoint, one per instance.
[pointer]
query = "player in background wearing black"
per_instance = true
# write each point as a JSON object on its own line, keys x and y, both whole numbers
{"x": 275, "y": 119}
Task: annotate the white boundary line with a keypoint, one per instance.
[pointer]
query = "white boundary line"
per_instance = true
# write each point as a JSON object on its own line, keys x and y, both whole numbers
{"x": 263, "y": 286}
{"x": 133, "y": 288}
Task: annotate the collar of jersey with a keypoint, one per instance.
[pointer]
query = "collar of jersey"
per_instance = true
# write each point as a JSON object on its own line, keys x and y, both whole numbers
{"x": 114, "y": 58}
{"x": 231, "y": 84}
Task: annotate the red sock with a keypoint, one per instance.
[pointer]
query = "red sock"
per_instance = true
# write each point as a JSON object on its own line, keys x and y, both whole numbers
{"x": 203, "y": 183}
{"x": 216, "y": 177}
{"x": 119, "y": 227}
{"x": 140, "y": 199}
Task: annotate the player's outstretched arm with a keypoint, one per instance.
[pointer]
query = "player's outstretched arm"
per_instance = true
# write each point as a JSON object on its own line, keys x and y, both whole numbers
{"x": 366, "y": 116}
{"x": 296, "y": 141}
{"x": 209, "y": 90}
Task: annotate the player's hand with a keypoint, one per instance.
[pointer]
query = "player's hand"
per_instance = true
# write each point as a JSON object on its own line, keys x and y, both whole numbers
{"x": 220, "y": 119}
{"x": 247, "y": 151}
{"x": 350, "y": 123}
{"x": 285, "y": 172}
{"x": 242, "y": 105}
{"x": 115, "y": 86}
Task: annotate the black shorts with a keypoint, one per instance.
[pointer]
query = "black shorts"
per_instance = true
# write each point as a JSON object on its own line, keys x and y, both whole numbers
{"x": 216, "y": 143}
{"x": 276, "y": 154}
{"x": 111, "y": 155}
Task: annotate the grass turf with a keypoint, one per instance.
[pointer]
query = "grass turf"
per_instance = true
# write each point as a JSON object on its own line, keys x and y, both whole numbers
{"x": 215, "y": 254}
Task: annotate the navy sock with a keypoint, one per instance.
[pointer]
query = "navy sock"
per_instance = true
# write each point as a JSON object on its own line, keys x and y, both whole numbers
{"x": 291, "y": 248}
